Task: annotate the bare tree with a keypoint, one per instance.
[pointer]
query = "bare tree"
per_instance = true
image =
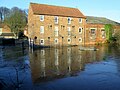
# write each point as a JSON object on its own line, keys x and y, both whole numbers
{"x": 4, "y": 12}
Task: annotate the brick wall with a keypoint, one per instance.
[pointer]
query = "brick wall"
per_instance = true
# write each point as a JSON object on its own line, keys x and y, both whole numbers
{"x": 6, "y": 29}
{"x": 49, "y": 37}
{"x": 97, "y": 37}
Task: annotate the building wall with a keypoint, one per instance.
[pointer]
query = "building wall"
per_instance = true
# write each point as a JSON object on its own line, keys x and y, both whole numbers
{"x": 116, "y": 29}
{"x": 49, "y": 37}
{"x": 5, "y": 32}
{"x": 6, "y": 29}
{"x": 98, "y": 37}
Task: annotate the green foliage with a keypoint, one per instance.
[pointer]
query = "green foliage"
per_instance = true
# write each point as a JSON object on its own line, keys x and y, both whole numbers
{"x": 16, "y": 20}
{"x": 117, "y": 36}
{"x": 109, "y": 31}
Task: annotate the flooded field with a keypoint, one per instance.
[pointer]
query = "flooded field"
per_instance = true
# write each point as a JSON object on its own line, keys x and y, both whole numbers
{"x": 66, "y": 68}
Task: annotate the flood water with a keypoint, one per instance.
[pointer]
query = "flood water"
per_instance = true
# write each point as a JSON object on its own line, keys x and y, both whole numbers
{"x": 66, "y": 68}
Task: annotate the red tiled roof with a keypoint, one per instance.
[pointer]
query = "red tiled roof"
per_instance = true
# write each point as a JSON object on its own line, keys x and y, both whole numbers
{"x": 56, "y": 10}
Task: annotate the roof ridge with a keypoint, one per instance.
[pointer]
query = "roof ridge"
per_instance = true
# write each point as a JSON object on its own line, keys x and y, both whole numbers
{"x": 104, "y": 20}
{"x": 96, "y": 17}
{"x": 54, "y": 5}
{"x": 56, "y": 10}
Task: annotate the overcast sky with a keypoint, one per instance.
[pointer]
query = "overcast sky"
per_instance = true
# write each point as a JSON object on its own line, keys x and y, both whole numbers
{"x": 101, "y": 8}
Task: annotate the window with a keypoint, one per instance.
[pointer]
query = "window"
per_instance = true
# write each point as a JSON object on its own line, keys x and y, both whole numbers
{"x": 35, "y": 38}
{"x": 41, "y": 17}
{"x": 56, "y": 31}
{"x": 103, "y": 33}
{"x": 56, "y": 19}
{"x": 69, "y": 40}
{"x": 41, "y": 29}
{"x": 69, "y": 31}
{"x": 42, "y": 42}
{"x": 80, "y": 39}
{"x": 80, "y": 20}
{"x": 56, "y": 40}
{"x": 80, "y": 30}
{"x": 92, "y": 31}
{"x": 69, "y": 20}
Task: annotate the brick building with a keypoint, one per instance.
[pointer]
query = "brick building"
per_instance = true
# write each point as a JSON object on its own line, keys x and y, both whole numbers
{"x": 62, "y": 26}
{"x": 95, "y": 33}
{"x": 55, "y": 25}
{"x": 5, "y": 32}
{"x": 95, "y": 29}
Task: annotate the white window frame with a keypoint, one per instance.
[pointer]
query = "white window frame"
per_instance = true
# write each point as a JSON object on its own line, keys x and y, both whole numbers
{"x": 104, "y": 33}
{"x": 79, "y": 30}
{"x": 69, "y": 18}
{"x": 80, "y": 39}
{"x": 91, "y": 29}
{"x": 43, "y": 42}
{"x": 41, "y": 17}
{"x": 56, "y": 31}
{"x": 69, "y": 41}
{"x": 80, "y": 20}
{"x": 69, "y": 31}
{"x": 56, "y": 19}
{"x": 56, "y": 39}
{"x": 41, "y": 29}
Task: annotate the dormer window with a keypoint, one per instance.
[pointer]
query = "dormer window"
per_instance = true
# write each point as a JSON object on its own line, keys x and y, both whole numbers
{"x": 56, "y": 20}
{"x": 80, "y": 20}
{"x": 41, "y": 17}
{"x": 69, "y": 20}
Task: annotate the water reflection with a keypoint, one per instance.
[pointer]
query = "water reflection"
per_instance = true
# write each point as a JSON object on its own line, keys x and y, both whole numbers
{"x": 53, "y": 63}
{"x": 12, "y": 52}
